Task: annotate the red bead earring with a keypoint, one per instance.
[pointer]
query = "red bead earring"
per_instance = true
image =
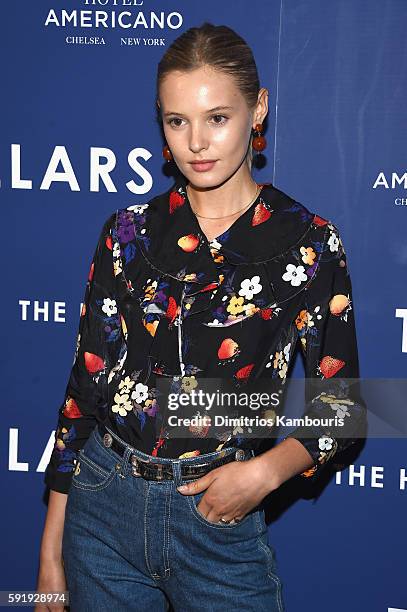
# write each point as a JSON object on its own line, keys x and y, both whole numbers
{"x": 167, "y": 153}
{"x": 259, "y": 142}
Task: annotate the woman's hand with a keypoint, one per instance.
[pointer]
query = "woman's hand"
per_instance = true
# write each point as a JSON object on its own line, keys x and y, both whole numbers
{"x": 51, "y": 579}
{"x": 232, "y": 490}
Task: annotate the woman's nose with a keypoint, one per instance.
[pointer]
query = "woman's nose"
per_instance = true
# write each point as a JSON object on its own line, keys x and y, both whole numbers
{"x": 198, "y": 139}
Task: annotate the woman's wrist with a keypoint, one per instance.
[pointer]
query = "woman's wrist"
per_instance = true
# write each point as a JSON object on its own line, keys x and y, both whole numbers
{"x": 265, "y": 473}
{"x": 283, "y": 461}
{"x": 51, "y": 545}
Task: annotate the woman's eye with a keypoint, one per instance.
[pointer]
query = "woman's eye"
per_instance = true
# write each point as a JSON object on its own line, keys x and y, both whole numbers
{"x": 219, "y": 117}
{"x": 174, "y": 119}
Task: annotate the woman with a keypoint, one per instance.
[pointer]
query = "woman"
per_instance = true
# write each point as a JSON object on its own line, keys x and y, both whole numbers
{"x": 214, "y": 280}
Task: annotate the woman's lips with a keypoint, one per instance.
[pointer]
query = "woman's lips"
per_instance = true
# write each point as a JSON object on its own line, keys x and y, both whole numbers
{"x": 203, "y": 166}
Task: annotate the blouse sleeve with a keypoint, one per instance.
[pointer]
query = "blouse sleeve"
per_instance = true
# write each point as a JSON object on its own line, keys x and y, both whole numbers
{"x": 327, "y": 334}
{"x": 99, "y": 343}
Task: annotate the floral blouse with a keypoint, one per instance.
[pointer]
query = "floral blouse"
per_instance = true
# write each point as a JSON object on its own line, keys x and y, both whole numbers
{"x": 163, "y": 301}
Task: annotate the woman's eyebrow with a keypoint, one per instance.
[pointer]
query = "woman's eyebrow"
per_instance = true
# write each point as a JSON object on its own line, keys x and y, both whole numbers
{"x": 211, "y": 110}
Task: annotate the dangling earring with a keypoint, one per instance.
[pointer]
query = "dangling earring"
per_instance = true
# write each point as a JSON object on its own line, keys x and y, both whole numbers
{"x": 259, "y": 143}
{"x": 167, "y": 153}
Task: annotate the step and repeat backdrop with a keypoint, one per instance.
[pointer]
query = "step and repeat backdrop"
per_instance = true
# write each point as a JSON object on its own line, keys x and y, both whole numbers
{"x": 79, "y": 138}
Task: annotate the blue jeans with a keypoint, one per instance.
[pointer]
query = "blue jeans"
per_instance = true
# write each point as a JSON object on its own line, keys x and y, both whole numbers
{"x": 131, "y": 544}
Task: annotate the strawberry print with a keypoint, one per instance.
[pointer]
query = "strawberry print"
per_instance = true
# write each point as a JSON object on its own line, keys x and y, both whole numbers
{"x": 71, "y": 409}
{"x": 176, "y": 200}
{"x": 261, "y": 214}
{"x": 228, "y": 350}
{"x": 329, "y": 366}
{"x": 164, "y": 309}
{"x": 93, "y": 363}
{"x": 244, "y": 373}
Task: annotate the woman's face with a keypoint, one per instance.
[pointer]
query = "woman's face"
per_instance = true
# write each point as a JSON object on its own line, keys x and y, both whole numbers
{"x": 197, "y": 129}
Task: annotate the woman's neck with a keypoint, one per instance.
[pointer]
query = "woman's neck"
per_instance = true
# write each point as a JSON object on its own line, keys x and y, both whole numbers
{"x": 224, "y": 201}
{"x": 217, "y": 209}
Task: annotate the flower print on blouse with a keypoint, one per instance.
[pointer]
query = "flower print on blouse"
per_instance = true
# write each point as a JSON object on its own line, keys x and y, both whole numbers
{"x": 163, "y": 301}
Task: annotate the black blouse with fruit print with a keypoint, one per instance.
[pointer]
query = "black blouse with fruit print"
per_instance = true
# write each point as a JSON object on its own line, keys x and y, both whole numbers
{"x": 161, "y": 302}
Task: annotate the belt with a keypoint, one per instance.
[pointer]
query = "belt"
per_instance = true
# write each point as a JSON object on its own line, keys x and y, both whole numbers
{"x": 151, "y": 470}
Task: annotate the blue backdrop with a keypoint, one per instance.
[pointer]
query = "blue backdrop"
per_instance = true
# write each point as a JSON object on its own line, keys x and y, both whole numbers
{"x": 336, "y": 75}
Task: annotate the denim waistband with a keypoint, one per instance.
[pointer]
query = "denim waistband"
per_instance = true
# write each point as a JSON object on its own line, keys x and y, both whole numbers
{"x": 203, "y": 458}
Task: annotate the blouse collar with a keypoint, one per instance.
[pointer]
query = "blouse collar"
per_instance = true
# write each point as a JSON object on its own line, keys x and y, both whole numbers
{"x": 171, "y": 240}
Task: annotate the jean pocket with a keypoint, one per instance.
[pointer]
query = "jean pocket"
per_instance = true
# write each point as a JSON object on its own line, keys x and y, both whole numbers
{"x": 194, "y": 500}
{"x": 91, "y": 476}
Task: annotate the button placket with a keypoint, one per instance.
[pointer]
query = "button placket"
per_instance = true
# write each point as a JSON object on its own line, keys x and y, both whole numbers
{"x": 179, "y": 325}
